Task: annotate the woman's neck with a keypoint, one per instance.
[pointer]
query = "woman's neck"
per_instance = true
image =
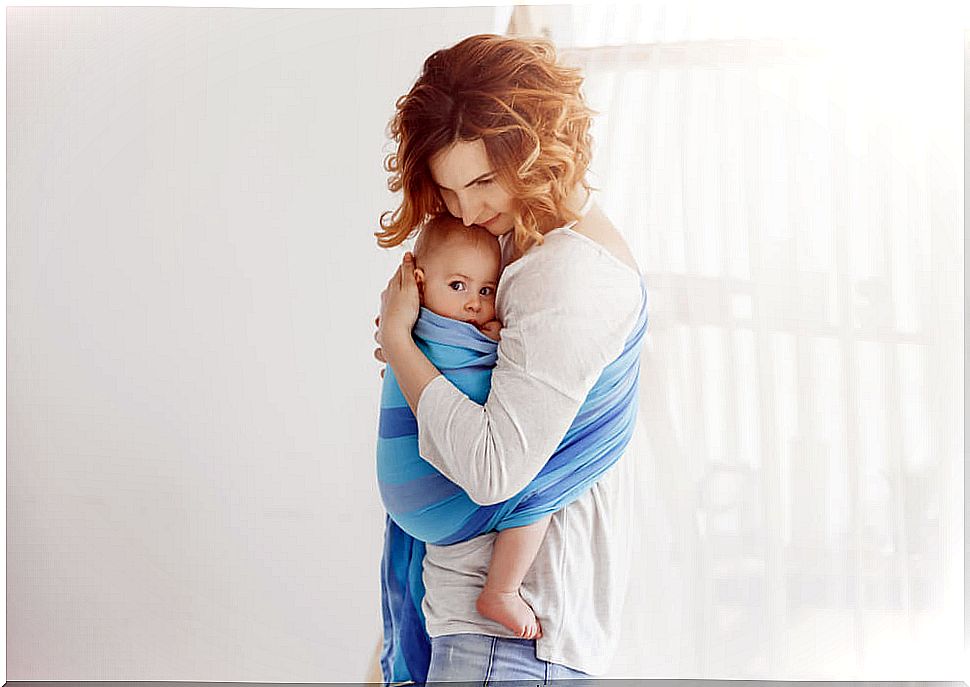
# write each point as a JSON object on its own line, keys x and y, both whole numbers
{"x": 577, "y": 199}
{"x": 575, "y": 202}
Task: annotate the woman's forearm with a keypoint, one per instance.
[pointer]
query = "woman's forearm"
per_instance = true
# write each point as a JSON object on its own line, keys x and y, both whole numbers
{"x": 411, "y": 367}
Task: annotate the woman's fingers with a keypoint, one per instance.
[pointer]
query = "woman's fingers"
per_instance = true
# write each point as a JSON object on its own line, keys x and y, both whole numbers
{"x": 393, "y": 283}
{"x": 379, "y": 356}
{"x": 400, "y": 302}
{"x": 408, "y": 281}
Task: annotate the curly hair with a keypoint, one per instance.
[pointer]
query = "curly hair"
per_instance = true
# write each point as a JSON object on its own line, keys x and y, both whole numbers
{"x": 525, "y": 107}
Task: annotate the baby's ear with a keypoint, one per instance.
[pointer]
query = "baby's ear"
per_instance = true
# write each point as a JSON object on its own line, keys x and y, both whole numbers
{"x": 419, "y": 278}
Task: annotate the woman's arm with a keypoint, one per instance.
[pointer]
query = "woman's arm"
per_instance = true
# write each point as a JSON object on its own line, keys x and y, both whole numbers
{"x": 412, "y": 369}
{"x": 567, "y": 312}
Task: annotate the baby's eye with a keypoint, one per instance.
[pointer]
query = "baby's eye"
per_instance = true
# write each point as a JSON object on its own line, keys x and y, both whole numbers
{"x": 457, "y": 286}
{"x": 486, "y": 291}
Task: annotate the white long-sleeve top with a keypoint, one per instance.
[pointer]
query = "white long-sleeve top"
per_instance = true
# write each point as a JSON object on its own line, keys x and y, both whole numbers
{"x": 567, "y": 308}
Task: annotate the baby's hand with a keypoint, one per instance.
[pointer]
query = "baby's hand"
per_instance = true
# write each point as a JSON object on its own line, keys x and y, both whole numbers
{"x": 491, "y": 329}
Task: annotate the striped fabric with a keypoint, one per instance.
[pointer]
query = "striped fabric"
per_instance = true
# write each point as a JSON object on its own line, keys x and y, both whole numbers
{"x": 424, "y": 506}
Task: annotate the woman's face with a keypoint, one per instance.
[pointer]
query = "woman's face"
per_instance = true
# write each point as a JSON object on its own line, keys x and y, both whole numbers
{"x": 470, "y": 189}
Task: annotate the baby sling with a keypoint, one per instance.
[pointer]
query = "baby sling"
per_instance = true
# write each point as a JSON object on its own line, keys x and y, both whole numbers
{"x": 424, "y": 506}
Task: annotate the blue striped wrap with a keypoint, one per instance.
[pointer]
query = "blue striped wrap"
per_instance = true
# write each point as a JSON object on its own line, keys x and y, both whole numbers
{"x": 424, "y": 506}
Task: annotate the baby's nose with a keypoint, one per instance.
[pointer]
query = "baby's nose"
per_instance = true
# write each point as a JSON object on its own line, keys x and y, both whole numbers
{"x": 474, "y": 303}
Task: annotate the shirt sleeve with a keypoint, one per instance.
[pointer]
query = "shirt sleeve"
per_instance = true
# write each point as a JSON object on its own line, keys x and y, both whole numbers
{"x": 567, "y": 311}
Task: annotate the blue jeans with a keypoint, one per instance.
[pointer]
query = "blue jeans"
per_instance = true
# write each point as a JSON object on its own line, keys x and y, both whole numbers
{"x": 482, "y": 659}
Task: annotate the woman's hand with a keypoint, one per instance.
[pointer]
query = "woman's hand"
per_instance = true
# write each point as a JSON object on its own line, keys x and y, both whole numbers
{"x": 400, "y": 304}
{"x": 379, "y": 352}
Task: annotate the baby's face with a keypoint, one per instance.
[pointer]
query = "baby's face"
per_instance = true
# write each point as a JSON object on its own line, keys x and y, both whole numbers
{"x": 458, "y": 280}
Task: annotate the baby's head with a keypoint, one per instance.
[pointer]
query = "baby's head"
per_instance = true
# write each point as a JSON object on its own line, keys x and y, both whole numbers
{"x": 457, "y": 269}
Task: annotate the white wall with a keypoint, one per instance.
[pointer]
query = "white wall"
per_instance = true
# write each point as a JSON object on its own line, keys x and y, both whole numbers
{"x": 192, "y": 280}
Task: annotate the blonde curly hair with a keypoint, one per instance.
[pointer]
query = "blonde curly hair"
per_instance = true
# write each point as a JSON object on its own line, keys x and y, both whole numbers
{"x": 513, "y": 95}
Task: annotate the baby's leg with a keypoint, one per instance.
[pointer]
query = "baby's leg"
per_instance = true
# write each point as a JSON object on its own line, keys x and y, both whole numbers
{"x": 512, "y": 556}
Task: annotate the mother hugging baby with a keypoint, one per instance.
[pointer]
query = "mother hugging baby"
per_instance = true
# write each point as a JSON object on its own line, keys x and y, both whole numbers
{"x": 499, "y": 449}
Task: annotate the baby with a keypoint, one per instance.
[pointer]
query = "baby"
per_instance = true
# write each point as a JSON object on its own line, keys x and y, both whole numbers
{"x": 457, "y": 269}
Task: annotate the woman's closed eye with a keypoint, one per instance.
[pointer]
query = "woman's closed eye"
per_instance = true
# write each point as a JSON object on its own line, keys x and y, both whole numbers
{"x": 484, "y": 182}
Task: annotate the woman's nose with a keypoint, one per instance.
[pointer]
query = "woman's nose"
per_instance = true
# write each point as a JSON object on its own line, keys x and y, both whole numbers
{"x": 469, "y": 209}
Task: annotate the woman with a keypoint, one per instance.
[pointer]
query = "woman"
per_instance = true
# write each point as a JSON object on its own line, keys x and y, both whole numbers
{"x": 496, "y": 132}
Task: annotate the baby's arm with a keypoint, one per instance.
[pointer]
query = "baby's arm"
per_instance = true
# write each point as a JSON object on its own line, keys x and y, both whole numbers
{"x": 491, "y": 329}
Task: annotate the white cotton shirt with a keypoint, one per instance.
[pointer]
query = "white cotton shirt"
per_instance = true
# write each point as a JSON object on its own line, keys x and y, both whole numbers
{"x": 567, "y": 308}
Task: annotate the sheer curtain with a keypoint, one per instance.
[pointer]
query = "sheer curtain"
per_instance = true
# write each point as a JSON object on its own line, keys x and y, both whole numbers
{"x": 790, "y": 182}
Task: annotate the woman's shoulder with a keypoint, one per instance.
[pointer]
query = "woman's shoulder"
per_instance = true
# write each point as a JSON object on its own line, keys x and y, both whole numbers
{"x": 571, "y": 272}
{"x": 601, "y": 253}
{"x": 572, "y": 240}
{"x": 566, "y": 253}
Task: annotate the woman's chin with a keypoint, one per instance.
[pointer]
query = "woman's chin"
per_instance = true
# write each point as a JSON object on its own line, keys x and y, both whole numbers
{"x": 500, "y": 227}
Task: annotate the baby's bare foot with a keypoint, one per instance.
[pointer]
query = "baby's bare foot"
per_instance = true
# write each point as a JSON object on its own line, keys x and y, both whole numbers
{"x": 511, "y": 610}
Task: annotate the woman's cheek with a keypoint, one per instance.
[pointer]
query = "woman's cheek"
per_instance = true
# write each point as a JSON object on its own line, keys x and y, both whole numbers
{"x": 452, "y": 207}
{"x": 502, "y": 201}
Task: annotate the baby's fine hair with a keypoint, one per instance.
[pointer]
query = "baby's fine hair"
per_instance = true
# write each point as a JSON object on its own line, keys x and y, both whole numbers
{"x": 443, "y": 229}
